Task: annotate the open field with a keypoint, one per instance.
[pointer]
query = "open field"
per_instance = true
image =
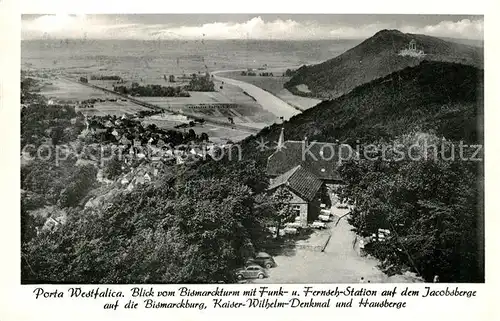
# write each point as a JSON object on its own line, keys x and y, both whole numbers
{"x": 246, "y": 124}
{"x": 108, "y": 84}
{"x": 227, "y": 94}
{"x": 64, "y": 89}
{"x": 117, "y": 108}
{"x": 230, "y": 101}
{"x": 244, "y": 118}
{"x": 212, "y": 106}
{"x": 150, "y": 60}
{"x": 250, "y": 115}
{"x": 179, "y": 102}
{"x": 240, "y": 113}
{"x": 272, "y": 84}
{"x": 217, "y": 134}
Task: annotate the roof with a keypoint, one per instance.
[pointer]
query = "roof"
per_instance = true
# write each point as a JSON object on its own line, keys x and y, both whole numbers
{"x": 300, "y": 181}
{"x": 315, "y": 157}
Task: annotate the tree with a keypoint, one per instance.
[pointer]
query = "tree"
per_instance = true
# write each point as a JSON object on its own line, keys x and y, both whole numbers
{"x": 204, "y": 137}
{"x": 81, "y": 182}
{"x": 113, "y": 167}
{"x": 191, "y": 135}
{"x": 57, "y": 135}
{"x": 282, "y": 208}
{"x": 429, "y": 205}
{"x": 185, "y": 230}
{"x": 29, "y": 225}
{"x": 201, "y": 83}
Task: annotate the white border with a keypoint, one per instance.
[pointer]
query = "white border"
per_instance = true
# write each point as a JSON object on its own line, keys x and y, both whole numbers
{"x": 256, "y": 6}
{"x": 16, "y": 302}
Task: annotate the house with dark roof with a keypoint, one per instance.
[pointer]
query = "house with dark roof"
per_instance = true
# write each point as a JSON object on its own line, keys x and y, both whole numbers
{"x": 303, "y": 168}
{"x": 305, "y": 189}
{"x": 318, "y": 158}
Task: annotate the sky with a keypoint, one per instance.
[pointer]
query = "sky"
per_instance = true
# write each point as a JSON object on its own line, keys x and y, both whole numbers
{"x": 244, "y": 26}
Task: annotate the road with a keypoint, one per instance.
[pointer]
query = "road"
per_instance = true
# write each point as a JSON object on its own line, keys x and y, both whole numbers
{"x": 267, "y": 100}
{"x": 339, "y": 263}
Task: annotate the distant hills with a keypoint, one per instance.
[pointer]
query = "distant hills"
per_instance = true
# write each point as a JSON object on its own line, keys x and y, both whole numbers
{"x": 377, "y": 57}
{"x": 469, "y": 42}
{"x": 436, "y": 97}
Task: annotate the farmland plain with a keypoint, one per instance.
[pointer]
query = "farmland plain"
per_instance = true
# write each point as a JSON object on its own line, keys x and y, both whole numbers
{"x": 230, "y": 109}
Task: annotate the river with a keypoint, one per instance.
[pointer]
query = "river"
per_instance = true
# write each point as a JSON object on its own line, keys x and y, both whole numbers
{"x": 267, "y": 100}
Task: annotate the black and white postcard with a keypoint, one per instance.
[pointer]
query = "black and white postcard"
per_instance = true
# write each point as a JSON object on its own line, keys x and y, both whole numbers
{"x": 321, "y": 163}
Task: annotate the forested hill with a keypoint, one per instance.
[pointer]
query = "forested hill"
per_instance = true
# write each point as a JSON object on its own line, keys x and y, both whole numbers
{"x": 376, "y": 57}
{"x": 434, "y": 204}
{"x": 437, "y": 97}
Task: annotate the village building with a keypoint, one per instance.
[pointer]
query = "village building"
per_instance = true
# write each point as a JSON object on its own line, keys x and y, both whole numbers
{"x": 304, "y": 168}
{"x": 51, "y": 224}
{"x": 125, "y": 180}
{"x": 54, "y": 217}
{"x": 305, "y": 190}
{"x": 160, "y": 143}
{"x": 125, "y": 141}
{"x": 97, "y": 131}
{"x": 320, "y": 159}
{"x": 139, "y": 179}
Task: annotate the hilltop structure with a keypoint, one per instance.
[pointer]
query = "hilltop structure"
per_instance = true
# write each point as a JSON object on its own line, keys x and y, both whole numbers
{"x": 412, "y": 50}
{"x": 385, "y": 52}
